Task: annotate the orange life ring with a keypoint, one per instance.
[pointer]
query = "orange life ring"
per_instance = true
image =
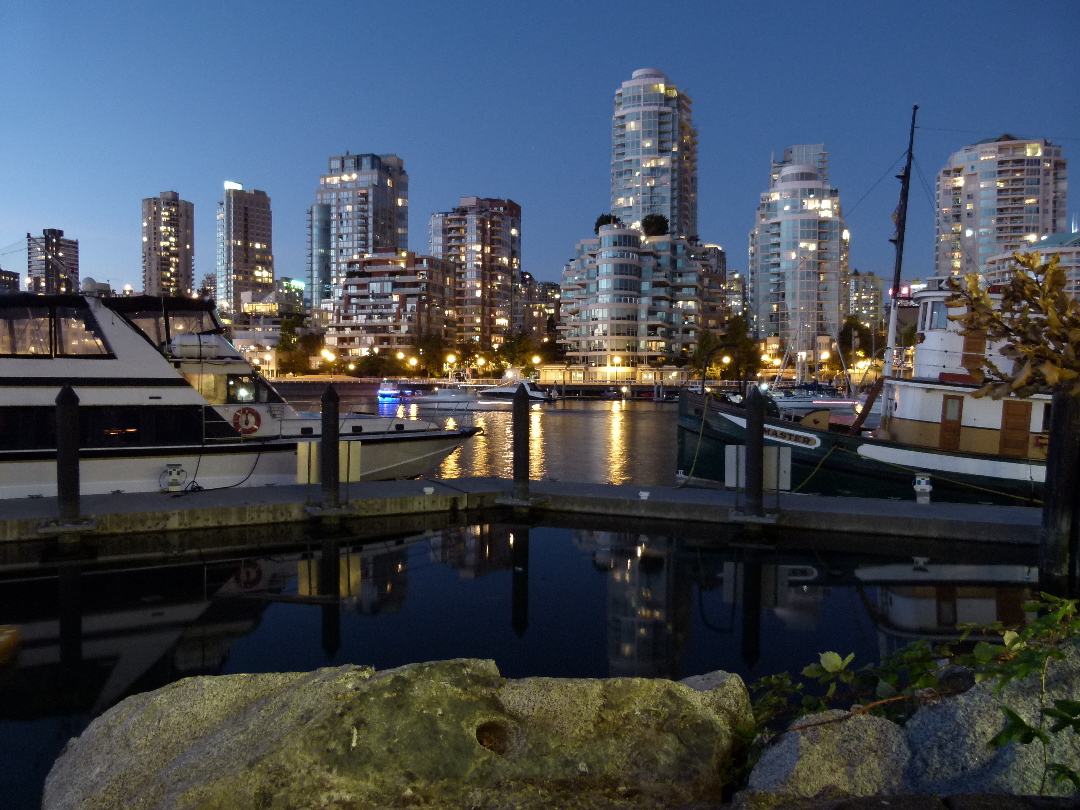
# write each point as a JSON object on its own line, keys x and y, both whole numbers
{"x": 246, "y": 421}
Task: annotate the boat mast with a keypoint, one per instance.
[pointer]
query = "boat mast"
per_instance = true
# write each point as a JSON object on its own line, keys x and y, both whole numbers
{"x": 891, "y": 366}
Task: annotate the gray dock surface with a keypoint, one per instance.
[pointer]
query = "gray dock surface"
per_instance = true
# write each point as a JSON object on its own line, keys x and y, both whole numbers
{"x": 127, "y": 513}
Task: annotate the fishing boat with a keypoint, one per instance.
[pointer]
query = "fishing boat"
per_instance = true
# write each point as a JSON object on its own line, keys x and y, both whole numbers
{"x": 935, "y": 436}
{"x": 166, "y": 402}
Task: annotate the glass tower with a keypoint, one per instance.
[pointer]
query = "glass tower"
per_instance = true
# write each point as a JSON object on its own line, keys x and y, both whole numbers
{"x": 798, "y": 256}
{"x": 654, "y": 154}
{"x": 245, "y": 245}
{"x": 361, "y": 208}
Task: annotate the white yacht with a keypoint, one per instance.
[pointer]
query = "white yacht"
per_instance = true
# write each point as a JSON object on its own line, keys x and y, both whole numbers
{"x": 165, "y": 401}
{"x": 507, "y": 390}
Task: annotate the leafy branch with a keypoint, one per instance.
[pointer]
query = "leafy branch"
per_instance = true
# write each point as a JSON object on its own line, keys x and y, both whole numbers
{"x": 1036, "y": 322}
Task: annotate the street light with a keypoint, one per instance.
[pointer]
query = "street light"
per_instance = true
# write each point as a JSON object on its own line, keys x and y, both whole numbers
{"x": 616, "y": 360}
{"x": 330, "y": 358}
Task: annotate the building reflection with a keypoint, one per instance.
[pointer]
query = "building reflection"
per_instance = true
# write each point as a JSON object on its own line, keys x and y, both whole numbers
{"x": 371, "y": 580}
{"x": 473, "y": 551}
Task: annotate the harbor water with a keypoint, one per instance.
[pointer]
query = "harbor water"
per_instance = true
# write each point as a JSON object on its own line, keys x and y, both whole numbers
{"x": 588, "y": 597}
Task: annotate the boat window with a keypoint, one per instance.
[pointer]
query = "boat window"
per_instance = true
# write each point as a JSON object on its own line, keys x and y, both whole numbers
{"x": 242, "y": 388}
{"x": 192, "y": 323}
{"x": 939, "y": 315}
{"x": 50, "y": 331}
{"x": 25, "y": 331}
{"x": 151, "y": 324}
{"x": 77, "y": 334}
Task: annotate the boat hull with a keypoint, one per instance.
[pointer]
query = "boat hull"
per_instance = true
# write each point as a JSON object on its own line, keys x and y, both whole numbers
{"x": 833, "y": 463}
{"x": 248, "y": 464}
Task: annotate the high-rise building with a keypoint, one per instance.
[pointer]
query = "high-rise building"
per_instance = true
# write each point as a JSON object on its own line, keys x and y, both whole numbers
{"x": 798, "y": 255}
{"x": 999, "y": 268}
{"x": 9, "y": 282}
{"x": 863, "y": 296}
{"x": 245, "y": 247}
{"x": 629, "y": 299}
{"x": 654, "y": 154}
{"x": 52, "y": 263}
{"x": 361, "y": 208}
{"x": 483, "y": 237}
{"x": 997, "y": 196}
{"x": 168, "y": 245}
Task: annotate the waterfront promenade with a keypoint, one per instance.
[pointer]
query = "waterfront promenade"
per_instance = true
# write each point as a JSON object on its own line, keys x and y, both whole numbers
{"x": 135, "y": 513}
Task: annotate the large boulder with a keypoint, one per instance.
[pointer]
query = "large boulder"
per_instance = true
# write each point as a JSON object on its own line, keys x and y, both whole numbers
{"x": 446, "y": 734}
{"x": 833, "y": 755}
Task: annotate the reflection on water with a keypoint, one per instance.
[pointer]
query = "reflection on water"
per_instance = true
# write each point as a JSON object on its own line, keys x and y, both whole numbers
{"x": 595, "y": 442}
{"x": 539, "y": 601}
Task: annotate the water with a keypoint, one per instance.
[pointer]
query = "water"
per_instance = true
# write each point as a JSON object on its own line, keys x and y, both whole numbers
{"x": 588, "y": 599}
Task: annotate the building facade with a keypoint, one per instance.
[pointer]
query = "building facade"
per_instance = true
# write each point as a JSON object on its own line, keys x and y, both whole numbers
{"x": 997, "y": 196}
{"x": 798, "y": 255}
{"x": 998, "y": 269}
{"x": 654, "y": 154}
{"x": 630, "y": 300}
{"x": 168, "y": 245}
{"x": 389, "y": 301}
{"x": 361, "y": 207}
{"x": 52, "y": 263}
{"x": 482, "y": 236}
{"x": 9, "y": 282}
{"x": 863, "y": 296}
{"x": 245, "y": 247}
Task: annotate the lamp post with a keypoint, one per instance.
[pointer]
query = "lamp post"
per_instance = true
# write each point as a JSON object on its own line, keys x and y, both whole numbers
{"x": 616, "y": 360}
{"x": 450, "y": 360}
{"x": 330, "y": 358}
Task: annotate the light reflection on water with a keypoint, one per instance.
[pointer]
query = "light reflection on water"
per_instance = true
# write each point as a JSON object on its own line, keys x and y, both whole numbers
{"x": 593, "y": 442}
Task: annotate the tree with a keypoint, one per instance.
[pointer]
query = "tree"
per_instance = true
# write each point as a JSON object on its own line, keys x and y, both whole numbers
{"x": 1036, "y": 322}
{"x": 654, "y": 225}
{"x": 605, "y": 219}
{"x": 854, "y": 339}
{"x": 737, "y": 344}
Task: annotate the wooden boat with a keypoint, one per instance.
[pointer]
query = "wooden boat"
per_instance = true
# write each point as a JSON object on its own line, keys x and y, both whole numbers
{"x": 973, "y": 449}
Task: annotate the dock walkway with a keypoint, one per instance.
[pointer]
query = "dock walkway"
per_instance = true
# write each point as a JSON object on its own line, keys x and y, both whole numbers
{"x": 129, "y": 513}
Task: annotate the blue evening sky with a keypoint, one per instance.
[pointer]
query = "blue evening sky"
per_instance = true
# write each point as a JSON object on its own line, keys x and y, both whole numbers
{"x": 106, "y": 102}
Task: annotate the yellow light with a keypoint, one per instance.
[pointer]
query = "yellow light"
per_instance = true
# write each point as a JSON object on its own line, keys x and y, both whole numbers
{"x": 616, "y": 360}
{"x": 825, "y": 355}
{"x": 329, "y": 355}
{"x": 480, "y": 361}
{"x": 401, "y": 355}
{"x": 412, "y": 362}
{"x": 450, "y": 358}
{"x": 725, "y": 359}
{"x": 536, "y": 359}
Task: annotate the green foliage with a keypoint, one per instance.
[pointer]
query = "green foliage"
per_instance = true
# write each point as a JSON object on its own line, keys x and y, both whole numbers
{"x": 605, "y": 219}
{"x": 1037, "y": 322}
{"x": 913, "y": 672}
{"x": 654, "y": 225}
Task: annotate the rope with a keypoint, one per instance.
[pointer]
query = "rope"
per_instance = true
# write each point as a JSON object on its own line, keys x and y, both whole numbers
{"x": 813, "y": 472}
{"x": 697, "y": 450}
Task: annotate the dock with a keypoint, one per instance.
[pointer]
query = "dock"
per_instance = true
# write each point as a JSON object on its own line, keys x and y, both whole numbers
{"x": 206, "y": 510}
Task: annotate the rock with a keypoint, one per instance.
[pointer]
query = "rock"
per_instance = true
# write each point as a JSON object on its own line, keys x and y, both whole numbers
{"x": 446, "y": 734}
{"x": 948, "y": 740}
{"x": 858, "y": 756}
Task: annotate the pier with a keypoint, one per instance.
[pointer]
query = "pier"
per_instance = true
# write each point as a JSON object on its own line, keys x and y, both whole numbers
{"x": 140, "y": 513}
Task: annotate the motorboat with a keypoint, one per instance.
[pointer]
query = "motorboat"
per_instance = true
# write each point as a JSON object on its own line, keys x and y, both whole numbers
{"x": 165, "y": 401}
{"x": 508, "y": 389}
{"x": 967, "y": 448}
{"x": 456, "y": 398}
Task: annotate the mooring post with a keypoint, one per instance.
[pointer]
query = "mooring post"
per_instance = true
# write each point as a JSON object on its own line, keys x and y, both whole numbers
{"x": 521, "y": 443}
{"x": 67, "y": 454}
{"x": 1058, "y": 547}
{"x": 328, "y": 449}
{"x": 755, "y": 452}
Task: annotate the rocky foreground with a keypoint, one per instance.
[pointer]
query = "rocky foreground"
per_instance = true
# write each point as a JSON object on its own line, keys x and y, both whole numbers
{"x": 455, "y": 734}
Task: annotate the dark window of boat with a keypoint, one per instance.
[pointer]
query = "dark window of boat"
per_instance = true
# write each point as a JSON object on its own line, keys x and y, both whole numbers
{"x": 34, "y": 427}
{"x": 241, "y": 389}
{"x": 64, "y": 328}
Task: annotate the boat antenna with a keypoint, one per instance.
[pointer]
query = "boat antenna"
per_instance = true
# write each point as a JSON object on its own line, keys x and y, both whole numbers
{"x": 900, "y": 216}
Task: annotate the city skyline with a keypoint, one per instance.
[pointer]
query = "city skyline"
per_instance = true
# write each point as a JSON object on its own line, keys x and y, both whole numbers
{"x": 536, "y": 131}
